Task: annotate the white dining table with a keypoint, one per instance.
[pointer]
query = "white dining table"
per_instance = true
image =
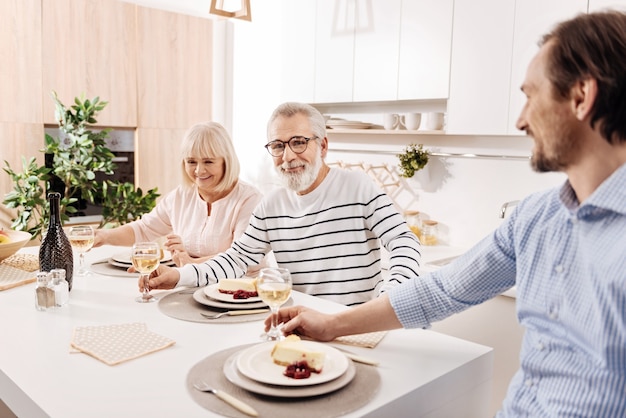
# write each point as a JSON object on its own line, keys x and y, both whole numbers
{"x": 423, "y": 373}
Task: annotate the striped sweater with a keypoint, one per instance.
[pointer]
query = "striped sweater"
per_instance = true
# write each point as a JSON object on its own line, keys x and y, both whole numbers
{"x": 329, "y": 239}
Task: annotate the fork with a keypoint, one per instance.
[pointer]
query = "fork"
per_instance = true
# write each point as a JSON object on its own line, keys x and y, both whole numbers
{"x": 233, "y": 313}
{"x": 229, "y": 399}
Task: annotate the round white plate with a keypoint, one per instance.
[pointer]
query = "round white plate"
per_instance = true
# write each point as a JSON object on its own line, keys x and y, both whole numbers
{"x": 125, "y": 257}
{"x": 213, "y": 291}
{"x": 236, "y": 378}
{"x": 256, "y": 363}
{"x": 127, "y": 265}
{"x": 201, "y": 297}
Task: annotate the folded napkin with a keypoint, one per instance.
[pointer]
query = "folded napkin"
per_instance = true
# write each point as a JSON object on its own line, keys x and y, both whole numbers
{"x": 12, "y": 277}
{"x": 368, "y": 340}
{"x": 114, "y": 344}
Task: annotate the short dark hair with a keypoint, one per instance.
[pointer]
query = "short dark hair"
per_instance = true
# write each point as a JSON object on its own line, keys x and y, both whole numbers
{"x": 593, "y": 46}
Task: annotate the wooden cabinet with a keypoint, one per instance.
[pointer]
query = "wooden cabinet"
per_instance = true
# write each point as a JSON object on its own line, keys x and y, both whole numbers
{"x": 156, "y": 159}
{"x": 20, "y": 63}
{"x": 89, "y": 47}
{"x": 17, "y": 140}
{"x": 174, "y": 69}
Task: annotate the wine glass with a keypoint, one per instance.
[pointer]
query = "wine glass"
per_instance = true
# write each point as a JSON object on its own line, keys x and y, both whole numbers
{"x": 146, "y": 256}
{"x": 81, "y": 239}
{"x": 274, "y": 288}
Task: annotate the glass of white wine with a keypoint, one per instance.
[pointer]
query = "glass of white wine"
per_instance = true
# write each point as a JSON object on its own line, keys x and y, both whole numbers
{"x": 274, "y": 288}
{"x": 81, "y": 238}
{"x": 145, "y": 257}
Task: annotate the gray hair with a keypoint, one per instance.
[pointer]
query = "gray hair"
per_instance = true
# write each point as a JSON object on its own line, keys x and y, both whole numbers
{"x": 289, "y": 109}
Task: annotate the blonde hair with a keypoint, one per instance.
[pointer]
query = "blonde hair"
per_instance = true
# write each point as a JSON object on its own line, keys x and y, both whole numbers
{"x": 211, "y": 140}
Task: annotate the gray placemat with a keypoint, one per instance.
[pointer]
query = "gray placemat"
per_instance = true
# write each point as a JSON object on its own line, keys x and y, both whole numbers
{"x": 353, "y": 396}
{"x": 181, "y": 305}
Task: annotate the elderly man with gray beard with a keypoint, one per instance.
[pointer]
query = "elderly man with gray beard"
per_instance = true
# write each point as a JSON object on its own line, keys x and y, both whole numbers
{"x": 326, "y": 225}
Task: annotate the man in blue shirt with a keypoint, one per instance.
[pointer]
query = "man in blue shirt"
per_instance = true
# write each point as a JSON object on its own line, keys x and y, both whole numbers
{"x": 564, "y": 249}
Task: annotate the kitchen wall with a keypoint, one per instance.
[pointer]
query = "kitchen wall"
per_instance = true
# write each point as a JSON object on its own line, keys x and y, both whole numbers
{"x": 464, "y": 194}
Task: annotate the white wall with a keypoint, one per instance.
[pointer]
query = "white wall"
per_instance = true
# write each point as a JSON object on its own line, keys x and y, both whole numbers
{"x": 464, "y": 195}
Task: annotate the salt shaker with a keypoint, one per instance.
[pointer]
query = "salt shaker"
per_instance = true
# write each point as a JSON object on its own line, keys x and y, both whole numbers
{"x": 44, "y": 294}
{"x": 60, "y": 286}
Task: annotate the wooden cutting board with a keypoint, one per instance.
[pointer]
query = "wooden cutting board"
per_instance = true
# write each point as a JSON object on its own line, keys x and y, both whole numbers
{"x": 12, "y": 277}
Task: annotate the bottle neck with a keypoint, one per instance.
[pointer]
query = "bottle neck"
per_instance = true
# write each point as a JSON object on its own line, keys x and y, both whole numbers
{"x": 55, "y": 216}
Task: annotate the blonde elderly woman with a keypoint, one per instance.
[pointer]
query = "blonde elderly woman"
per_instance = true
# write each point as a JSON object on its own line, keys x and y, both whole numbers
{"x": 205, "y": 214}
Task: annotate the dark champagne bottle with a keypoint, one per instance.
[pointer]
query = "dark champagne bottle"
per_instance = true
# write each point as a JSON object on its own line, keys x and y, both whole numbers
{"x": 55, "y": 251}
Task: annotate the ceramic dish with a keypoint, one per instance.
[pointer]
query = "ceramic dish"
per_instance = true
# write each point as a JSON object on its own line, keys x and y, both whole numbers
{"x": 127, "y": 265}
{"x": 201, "y": 297}
{"x": 213, "y": 291}
{"x": 236, "y": 378}
{"x": 256, "y": 363}
{"x": 125, "y": 257}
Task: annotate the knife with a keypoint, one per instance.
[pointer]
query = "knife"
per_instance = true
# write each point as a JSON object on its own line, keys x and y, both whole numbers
{"x": 233, "y": 313}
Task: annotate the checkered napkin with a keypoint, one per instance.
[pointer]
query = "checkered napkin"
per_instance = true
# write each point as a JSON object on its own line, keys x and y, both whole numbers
{"x": 368, "y": 340}
{"x": 114, "y": 344}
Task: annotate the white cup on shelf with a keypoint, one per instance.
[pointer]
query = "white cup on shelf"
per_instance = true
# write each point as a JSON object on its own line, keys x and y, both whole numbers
{"x": 412, "y": 121}
{"x": 434, "y": 121}
{"x": 391, "y": 121}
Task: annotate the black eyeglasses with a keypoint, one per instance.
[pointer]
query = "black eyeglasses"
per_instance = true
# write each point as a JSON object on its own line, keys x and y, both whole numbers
{"x": 297, "y": 144}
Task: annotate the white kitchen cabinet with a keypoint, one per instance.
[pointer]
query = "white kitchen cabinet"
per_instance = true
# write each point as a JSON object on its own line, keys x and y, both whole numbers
{"x": 334, "y": 50}
{"x": 382, "y": 50}
{"x": 425, "y": 43}
{"x": 533, "y": 18}
{"x": 298, "y": 50}
{"x": 480, "y": 67}
{"x": 376, "y": 50}
{"x": 595, "y": 5}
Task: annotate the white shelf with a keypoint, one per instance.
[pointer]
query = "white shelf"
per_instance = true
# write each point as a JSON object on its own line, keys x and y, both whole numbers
{"x": 331, "y": 131}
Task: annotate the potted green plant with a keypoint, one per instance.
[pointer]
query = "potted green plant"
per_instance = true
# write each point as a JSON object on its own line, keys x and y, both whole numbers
{"x": 74, "y": 161}
{"x": 412, "y": 159}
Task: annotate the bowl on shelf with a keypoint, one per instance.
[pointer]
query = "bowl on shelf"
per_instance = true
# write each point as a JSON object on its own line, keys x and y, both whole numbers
{"x": 16, "y": 240}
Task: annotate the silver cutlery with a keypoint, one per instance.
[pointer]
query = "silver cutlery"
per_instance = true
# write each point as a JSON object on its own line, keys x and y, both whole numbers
{"x": 229, "y": 399}
{"x": 233, "y": 313}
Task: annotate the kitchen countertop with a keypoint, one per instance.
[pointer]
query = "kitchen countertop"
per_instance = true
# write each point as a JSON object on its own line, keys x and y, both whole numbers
{"x": 436, "y": 256}
{"x": 422, "y": 372}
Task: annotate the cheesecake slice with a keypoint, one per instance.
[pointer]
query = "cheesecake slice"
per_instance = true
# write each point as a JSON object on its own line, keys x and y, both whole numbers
{"x": 239, "y": 288}
{"x": 292, "y": 350}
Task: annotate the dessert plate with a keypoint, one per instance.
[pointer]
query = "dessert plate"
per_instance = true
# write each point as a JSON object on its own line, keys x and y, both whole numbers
{"x": 125, "y": 257}
{"x": 238, "y": 379}
{"x": 256, "y": 363}
{"x": 201, "y": 297}
{"x": 213, "y": 291}
{"x": 127, "y": 265}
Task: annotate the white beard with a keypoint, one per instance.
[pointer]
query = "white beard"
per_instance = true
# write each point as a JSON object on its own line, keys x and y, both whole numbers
{"x": 304, "y": 180}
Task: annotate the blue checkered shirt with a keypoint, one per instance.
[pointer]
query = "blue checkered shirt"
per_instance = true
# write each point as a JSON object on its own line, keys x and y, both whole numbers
{"x": 568, "y": 262}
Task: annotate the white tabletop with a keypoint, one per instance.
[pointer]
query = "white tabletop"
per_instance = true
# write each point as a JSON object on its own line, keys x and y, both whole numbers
{"x": 422, "y": 372}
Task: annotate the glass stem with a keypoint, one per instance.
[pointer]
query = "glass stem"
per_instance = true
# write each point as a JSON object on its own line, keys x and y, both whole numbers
{"x": 146, "y": 288}
{"x": 81, "y": 261}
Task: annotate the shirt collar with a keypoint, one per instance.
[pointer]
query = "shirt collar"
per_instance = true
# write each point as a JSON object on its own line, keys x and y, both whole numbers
{"x": 609, "y": 196}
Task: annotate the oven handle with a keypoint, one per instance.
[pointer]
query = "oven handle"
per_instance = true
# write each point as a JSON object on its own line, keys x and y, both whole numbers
{"x": 119, "y": 159}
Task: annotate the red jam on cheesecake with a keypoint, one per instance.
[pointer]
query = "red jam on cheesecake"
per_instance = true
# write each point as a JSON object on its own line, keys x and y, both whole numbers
{"x": 239, "y": 288}
{"x": 300, "y": 360}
